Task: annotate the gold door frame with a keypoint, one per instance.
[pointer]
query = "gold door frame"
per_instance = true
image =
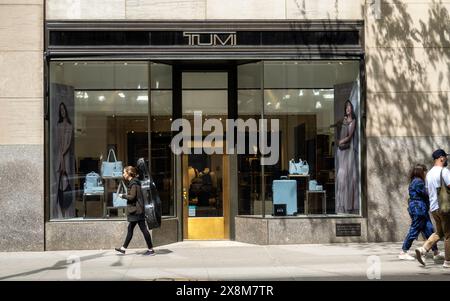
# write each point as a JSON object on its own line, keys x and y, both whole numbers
{"x": 206, "y": 228}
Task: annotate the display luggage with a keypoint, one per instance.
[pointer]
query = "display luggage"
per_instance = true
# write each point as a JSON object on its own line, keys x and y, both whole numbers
{"x": 285, "y": 192}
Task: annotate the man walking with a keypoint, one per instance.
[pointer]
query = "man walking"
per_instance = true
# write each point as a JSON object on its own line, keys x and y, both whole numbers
{"x": 433, "y": 182}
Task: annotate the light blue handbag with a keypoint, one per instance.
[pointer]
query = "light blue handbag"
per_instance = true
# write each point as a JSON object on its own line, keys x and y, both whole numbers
{"x": 112, "y": 169}
{"x": 118, "y": 201}
{"x": 298, "y": 168}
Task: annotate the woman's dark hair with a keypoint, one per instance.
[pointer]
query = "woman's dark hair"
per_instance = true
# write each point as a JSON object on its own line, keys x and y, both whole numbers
{"x": 61, "y": 119}
{"x": 351, "y": 106}
{"x": 418, "y": 171}
{"x": 131, "y": 171}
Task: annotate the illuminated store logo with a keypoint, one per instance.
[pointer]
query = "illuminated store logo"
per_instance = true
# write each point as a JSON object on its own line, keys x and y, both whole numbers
{"x": 211, "y": 38}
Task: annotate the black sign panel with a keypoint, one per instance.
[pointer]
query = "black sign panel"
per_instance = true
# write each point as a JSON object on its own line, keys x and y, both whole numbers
{"x": 201, "y": 39}
{"x": 348, "y": 229}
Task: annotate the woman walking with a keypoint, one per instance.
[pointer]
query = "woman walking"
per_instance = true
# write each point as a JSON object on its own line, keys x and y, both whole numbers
{"x": 418, "y": 210}
{"x": 135, "y": 210}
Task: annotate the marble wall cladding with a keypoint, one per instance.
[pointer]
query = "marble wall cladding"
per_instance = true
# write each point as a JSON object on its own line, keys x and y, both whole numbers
{"x": 389, "y": 161}
{"x": 407, "y": 114}
{"x": 280, "y": 231}
{"x": 85, "y": 9}
{"x": 103, "y": 234}
{"x": 409, "y": 23}
{"x": 250, "y": 9}
{"x": 325, "y": 9}
{"x": 166, "y": 10}
{"x": 312, "y": 230}
{"x": 21, "y": 198}
{"x": 21, "y": 121}
{"x": 251, "y": 230}
{"x": 408, "y": 69}
{"x": 21, "y": 27}
{"x": 205, "y": 9}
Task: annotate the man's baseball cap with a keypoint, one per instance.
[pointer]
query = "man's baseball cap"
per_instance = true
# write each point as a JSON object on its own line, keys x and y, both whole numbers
{"x": 439, "y": 153}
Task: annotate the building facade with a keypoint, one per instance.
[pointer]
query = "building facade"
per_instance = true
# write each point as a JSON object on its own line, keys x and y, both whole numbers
{"x": 89, "y": 84}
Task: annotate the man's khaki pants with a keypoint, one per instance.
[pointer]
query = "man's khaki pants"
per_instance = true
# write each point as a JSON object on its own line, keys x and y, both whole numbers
{"x": 442, "y": 231}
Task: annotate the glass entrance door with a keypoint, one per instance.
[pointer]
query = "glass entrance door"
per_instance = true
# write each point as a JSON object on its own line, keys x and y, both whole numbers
{"x": 205, "y": 173}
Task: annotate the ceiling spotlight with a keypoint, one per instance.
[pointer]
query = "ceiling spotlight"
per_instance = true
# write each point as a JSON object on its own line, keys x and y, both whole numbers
{"x": 300, "y": 93}
{"x": 121, "y": 95}
{"x": 318, "y": 105}
{"x": 101, "y": 98}
{"x": 142, "y": 98}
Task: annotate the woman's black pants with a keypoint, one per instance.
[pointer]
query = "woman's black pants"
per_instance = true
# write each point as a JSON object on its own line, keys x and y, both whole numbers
{"x": 142, "y": 226}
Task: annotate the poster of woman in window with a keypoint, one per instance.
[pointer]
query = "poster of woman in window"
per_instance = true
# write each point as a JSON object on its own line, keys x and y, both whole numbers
{"x": 63, "y": 162}
{"x": 346, "y": 150}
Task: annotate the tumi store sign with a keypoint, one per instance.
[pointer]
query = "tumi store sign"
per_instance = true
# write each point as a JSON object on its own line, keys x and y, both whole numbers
{"x": 211, "y": 38}
{"x": 246, "y": 39}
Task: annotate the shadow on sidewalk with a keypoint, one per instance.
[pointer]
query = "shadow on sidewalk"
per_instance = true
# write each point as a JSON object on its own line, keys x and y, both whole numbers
{"x": 62, "y": 264}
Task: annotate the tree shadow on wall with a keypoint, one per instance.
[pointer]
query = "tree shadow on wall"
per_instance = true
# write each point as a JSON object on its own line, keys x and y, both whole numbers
{"x": 406, "y": 110}
{"x": 407, "y": 103}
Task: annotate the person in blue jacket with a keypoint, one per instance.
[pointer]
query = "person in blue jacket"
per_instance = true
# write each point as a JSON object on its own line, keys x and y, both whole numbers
{"x": 418, "y": 208}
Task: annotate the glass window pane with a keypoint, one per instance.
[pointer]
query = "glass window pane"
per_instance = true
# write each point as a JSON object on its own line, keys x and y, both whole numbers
{"x": 98, "y": 111}
{"x": 250, "y": 177}
{"x": 205, "y": 80}
{"x": 161, "y": 76}
{"x": 309, "y": 100}
{"x": 161, "y": 164}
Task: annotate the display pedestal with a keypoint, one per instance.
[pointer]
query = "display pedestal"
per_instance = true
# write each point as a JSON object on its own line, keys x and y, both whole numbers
{"x": 313, "y": 195}
{"x": 99, "y": 194}
{"x": 302, "y": 187}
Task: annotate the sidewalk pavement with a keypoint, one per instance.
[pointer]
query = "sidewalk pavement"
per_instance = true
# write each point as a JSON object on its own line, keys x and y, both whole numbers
{"x": 224, "y": 260}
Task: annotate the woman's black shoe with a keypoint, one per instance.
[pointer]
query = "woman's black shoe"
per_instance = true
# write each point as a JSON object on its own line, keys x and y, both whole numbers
{"x": 120, "y": 250}
{"x": 149, "y": 253}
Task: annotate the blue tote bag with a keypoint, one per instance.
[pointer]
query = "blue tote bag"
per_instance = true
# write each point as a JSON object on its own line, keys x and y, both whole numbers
{"x": 112, "y": 169}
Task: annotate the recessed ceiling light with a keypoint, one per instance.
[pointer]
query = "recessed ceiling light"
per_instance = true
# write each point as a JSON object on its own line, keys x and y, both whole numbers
{"x": 121, "y": 95}
{"x": 318, "y": 105}
{"x": 101, "y": 98}
{"x": 142, "y": 98}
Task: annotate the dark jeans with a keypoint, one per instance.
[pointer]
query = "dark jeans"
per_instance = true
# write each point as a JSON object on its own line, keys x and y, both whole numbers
{"x": 142, "y": 226}
{"x": 421, "y": 223}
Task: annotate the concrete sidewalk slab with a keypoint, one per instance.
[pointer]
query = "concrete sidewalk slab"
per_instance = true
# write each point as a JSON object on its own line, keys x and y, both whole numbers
{"x": 223, "y": 260}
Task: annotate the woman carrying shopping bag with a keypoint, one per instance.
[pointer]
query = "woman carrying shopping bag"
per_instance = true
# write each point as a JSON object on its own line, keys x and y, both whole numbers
{"x": 135, "y": 210}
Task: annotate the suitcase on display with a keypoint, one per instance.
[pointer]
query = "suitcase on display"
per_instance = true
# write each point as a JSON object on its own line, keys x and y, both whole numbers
{"x": 285, "y": 192}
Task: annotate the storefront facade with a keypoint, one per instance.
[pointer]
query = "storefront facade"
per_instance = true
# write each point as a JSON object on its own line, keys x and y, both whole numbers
{"x": 114, "y": 86}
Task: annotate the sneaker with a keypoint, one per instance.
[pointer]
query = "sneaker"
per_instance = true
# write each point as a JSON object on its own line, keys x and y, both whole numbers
{"x": 420, "y": 255}
{"x": 120, "y": 250}
{"x": 438, "y": 257}
{"x": 405, "y": 256}
{"x": 149, "y": 253}
{"x": 446, "y": 264}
